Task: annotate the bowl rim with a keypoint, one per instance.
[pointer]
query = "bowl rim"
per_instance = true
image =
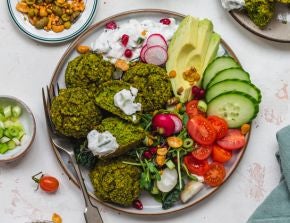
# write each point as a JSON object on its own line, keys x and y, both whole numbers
{"x": 20, "y": 155}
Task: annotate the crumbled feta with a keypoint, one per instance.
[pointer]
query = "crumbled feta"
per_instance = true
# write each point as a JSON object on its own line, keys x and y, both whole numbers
{"x": 124, "y": 100}
{"x": 101, "y": 144}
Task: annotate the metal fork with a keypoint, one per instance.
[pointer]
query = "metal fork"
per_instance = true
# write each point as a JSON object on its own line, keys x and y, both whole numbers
{"x": 91, "y": 212}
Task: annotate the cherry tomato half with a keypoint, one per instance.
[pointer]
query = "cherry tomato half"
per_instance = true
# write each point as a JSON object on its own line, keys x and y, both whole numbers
{"x": 215, "y": 174}
{"x": 202, "y": 152}
{"x": 221, "y": 155}
{"x": 194, "y": 166}
{"x": 234, "y": 139}
{"x": 219, "y": 124}
{"x": 192, "y": 110}
{"x": 48, "y": 184}
{"x": 201, "y": 130}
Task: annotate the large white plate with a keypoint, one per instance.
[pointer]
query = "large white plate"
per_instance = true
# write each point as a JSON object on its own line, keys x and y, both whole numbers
{"x": 76, "y": 29}
{"x": 151, "y": 207}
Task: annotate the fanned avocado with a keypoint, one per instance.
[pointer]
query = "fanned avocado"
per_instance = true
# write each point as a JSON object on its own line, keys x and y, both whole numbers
{"x": 128, "y": 135}
{"x": 192, "y": 47}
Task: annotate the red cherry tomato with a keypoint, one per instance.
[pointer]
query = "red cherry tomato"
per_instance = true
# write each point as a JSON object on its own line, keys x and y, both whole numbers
{"x": 220, "y": 125}
{"x": 221, "y": 155}
{"x": 202, "y": 152}
{"x": 47, "y": 183}
{"x": 234, "y": 139}
{"x": 198, "y": 167}
{"x": 201, "y": 130}
{"x": 215, "y": 174}
{"x": 192, "y": 110}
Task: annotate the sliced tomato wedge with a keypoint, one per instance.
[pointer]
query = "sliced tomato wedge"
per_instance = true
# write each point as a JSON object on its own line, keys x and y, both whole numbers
{"x": 192, "y": 110}
{"x": 234, "y": 139}
{"x": 215, "y": 174}
{"x": 221, "y": 155}
{"x": 202, "y": 152}
{"x": 220, "y": 125}
{"x": 201, "y": 130}
{"x": 194, "y": 166}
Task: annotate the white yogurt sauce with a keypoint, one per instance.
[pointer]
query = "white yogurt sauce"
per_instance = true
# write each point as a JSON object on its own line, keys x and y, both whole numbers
{"x": 109, "y": 42}
{"x": 233, "y": 4}
{"x": 102, "y": 144}
{"x": 124, "y": 100}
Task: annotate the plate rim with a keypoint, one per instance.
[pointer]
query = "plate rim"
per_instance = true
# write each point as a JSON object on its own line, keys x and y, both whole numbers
{"x": 53, "y": 40}
{"x": 57, "y": 153}
{"x": 235, "y": 15}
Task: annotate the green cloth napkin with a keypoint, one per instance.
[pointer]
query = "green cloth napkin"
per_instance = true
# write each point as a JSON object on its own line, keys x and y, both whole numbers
{"x": 276, "y": 207}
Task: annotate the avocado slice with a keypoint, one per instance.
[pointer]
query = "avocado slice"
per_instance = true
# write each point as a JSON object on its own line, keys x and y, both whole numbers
{"x": 184, "y": 54}
{"x": 184, "y": 39}
{"x": 211, "y": 51}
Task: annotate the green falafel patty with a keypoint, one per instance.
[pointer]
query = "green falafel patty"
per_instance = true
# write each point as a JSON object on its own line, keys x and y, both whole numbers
{"x": 74, "y": 112}
{"x": 116, "y": 182}
{"x": 153, "y": 84}
{"x": 128, "y": 135}
{"x": 260, "y": 11}
{"x": 105, "y": 99}
{"x": 88, "y": 71}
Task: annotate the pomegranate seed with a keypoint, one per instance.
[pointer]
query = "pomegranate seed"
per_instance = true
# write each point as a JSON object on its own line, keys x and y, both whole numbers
{"x": 128, "y": 53}
{"x": 111, "y": 25}
{"x": 153, "y": 150}
{"x": 195, "y": 90}
{"x": 165, "y": 21}
{"x": 201, "y": 93}
{"x": 125, "y": 39}
{"x": 137, "y": 204}
{"x": 147, "y": 155}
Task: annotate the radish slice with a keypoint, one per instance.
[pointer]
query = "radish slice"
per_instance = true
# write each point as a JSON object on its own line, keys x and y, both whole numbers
{"x": 177, "y": 123}
{"x": 142, "y": 53}
{"x": 155, "y": 55}
{"x": 168, "y": 180}
{"x": 156, "y": 40}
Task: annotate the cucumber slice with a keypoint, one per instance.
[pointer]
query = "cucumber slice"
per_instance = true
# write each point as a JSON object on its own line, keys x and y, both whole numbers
{"x": 220, "y": 63}
{"x": 231, "y": 73}
{"x": 233, "y": 85}
{"x": 235, "y": 107}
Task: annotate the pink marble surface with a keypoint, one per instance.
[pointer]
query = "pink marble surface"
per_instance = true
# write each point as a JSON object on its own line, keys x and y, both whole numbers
{"x": 26, "y": 66}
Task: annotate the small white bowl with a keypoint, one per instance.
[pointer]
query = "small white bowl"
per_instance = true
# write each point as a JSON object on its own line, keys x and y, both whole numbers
{"x": 28, "y": 122}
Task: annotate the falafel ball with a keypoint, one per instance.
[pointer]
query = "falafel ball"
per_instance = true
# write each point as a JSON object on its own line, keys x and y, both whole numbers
{"x": 88, "y": 71}
{"x": 116, "y": 182}
{"x": 74, "y": 112}
{"x": 260, "y": 11}
{"x": 153, "y": 84}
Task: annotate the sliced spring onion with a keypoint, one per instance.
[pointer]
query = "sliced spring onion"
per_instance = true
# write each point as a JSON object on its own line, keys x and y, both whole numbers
{"x": 16, "y": 111}
{"x": 170, "y": 164}
{"x": 11, "y": 144}
{"x": 17, "y": 142}
{"x": 4, "y": 139}
{"x": 202, "y": 106}
{"x": 1, "y": 132}
{"x": 3, "y": 148}
{"x": 7, "y": 111}
{"x": 187, "y": 143}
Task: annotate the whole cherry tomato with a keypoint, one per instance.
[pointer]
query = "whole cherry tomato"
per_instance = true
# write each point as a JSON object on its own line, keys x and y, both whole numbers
{"x": 46, "y": 183}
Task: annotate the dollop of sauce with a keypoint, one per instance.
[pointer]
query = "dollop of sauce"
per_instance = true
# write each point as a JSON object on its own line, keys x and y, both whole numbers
{"x": 102, "y": 144}
{"x": 233, "y": 4}
{"x": 110, "y": 45}
{"x": 124, "y": 100}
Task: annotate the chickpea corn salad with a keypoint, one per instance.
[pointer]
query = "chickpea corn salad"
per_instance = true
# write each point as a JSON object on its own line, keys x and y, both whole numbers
{"x": 51, "y": 15}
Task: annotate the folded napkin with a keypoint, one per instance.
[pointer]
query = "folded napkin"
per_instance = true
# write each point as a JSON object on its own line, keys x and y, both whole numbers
{"x": 276, "y": 207}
